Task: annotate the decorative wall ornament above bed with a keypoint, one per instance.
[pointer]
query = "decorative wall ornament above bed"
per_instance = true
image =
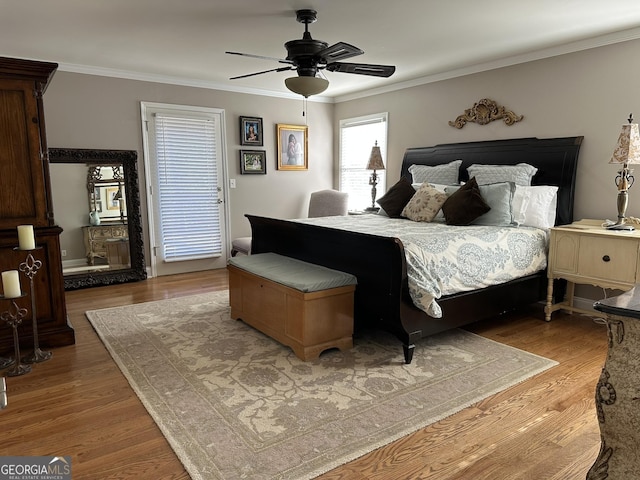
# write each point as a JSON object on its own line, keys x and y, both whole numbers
{"x": 484, "y": 112}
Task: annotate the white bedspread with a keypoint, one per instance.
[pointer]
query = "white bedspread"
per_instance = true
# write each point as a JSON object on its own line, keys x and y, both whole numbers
{"x": 444, "y": 259}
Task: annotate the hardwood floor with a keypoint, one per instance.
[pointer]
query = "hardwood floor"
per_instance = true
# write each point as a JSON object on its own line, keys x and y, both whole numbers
{"x": 79, "y": 404}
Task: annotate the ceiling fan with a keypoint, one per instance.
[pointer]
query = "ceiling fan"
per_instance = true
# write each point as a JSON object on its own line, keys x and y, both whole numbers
{"x": 309, "y": 56}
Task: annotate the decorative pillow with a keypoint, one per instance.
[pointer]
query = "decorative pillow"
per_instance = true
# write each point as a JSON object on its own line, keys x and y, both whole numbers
{"x": 425, "y": 204}
{"x": 443, "y": 189}
{"x": 499, "y": 197}
{"x": 396, "y": 198}
{"x": 520, "y": 174}
{"x": 446, "y": 174}
{"x": 465, "y": 204}
{"x": 437, "y": 186}
{"x": 535, "y": 206}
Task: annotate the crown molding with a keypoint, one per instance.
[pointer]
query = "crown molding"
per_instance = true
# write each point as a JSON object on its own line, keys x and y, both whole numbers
{"x": 180, "y": 81}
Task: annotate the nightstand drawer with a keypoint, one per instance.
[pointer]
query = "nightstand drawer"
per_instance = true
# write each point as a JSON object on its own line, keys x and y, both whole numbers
{"x": 608, "y": 258}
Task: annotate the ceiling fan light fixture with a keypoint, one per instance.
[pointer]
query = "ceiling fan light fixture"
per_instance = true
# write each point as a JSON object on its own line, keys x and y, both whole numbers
{"x": 307, "y": 86}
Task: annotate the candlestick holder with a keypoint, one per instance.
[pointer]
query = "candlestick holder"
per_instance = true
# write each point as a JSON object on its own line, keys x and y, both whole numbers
{"x": 3, "y": 393}
{"x": 14, "y": 317}
{"x": 30, "y": 267}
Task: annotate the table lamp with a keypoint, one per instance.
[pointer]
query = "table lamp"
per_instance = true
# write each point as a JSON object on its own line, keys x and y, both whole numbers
{"x": 375, "y": 163}
{"x": 627, "y": 152}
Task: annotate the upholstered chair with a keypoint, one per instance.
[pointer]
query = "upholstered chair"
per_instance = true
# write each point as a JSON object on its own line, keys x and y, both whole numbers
{"x": 323, "y": 203}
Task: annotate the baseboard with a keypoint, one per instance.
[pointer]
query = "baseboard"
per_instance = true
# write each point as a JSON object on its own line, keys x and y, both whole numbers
{"x": 584, "y": 303}
{"x": 77, "y": 262}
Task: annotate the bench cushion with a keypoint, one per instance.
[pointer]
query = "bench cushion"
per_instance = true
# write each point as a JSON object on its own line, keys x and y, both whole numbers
{"x": 302, "y": 276}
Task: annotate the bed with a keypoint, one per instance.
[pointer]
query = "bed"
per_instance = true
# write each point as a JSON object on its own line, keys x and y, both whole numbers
{"x": 382, "y": 297}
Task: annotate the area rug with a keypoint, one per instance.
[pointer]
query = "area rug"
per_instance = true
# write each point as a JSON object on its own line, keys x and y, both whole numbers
{"x": 235, "y": 404}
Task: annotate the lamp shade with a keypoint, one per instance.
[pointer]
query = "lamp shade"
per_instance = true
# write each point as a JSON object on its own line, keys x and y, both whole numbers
{"x": 628, "y": 147}
{"x": 375, "y": 159}
{"x": 306, "y": 86}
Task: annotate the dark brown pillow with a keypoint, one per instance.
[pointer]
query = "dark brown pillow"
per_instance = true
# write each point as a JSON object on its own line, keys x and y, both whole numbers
{"x": 465, "y": 205}
{"x": 397, "y": 197}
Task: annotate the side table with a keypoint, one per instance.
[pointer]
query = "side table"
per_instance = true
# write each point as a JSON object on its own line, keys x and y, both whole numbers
{"x": 618, "y": 390}
{"x": 586, "y": 253}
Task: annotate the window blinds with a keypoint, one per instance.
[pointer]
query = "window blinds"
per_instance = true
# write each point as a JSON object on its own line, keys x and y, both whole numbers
{"x": 187, "y": 192}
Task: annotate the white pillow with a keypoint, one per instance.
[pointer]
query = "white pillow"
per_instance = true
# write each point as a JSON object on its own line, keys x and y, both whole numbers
{"x": 446, "y": 174}
{"x": 520, "y": 174}
{"x": 535, "y": 206}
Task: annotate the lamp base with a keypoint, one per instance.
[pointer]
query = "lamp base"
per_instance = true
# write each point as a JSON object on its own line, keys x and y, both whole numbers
{"x": 372, "y": 209}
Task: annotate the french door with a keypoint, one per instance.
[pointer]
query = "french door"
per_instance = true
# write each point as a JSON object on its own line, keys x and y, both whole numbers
{"x": 185, "y": 173}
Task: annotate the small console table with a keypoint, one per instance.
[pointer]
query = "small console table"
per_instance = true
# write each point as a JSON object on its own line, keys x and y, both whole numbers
{"x": 586, "y": 253}
{"x": 618, "y": 390}
{"x": 97, "y": 237}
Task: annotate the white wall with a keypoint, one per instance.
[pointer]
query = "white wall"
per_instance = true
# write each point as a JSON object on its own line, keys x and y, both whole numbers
{"x": 85, "y": 111}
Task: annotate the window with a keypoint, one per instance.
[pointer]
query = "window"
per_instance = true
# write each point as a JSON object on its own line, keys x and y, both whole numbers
{"x": 357, "y": 137}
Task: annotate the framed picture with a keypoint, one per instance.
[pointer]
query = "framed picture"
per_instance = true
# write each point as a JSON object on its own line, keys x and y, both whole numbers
{"x": 251, "y": 131}
{"x": 292, "y": 147}
{"x": 107, "y": 203}
{"x": 112, "y": 201}
{"x": 253, "y": 161}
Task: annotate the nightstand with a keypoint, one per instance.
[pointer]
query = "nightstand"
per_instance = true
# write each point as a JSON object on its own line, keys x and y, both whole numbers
{"x": 585, "y": 252}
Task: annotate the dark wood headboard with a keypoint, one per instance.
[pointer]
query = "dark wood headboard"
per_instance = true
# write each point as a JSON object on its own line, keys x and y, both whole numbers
{"x": 555, "y": 158}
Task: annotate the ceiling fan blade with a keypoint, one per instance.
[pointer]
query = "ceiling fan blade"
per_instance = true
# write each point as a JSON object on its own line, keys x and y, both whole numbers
{"x": 339, "y": 51}
{"x": 281, "y": 69}
{"x": 281, "y": 60}
{"x": 362, "y": 69}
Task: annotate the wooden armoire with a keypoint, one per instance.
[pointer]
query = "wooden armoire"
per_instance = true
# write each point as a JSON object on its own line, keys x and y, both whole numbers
{"x": 25, "y": 199}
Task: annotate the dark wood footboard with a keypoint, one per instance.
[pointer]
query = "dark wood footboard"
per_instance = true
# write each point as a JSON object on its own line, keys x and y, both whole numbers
{"x": 377, "y": 262}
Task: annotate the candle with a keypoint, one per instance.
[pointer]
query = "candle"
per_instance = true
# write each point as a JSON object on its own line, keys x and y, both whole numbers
{"x": 26, "y": 239}
{"x": 11, "y": 284}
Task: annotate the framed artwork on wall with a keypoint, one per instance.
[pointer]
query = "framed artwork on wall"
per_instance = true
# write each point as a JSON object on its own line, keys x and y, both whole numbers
{"x": 292, "y": 147}
{"x": 112, "y": 200}
{"x": 251, "y": 131}
{"x": 253, "y": 161}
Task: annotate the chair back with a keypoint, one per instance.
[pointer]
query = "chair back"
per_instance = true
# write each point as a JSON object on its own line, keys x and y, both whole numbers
{"x": 328, "y": 203}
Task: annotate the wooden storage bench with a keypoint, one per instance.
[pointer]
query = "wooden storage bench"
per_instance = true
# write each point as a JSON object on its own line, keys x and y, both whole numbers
{"x": 306, "y": 307}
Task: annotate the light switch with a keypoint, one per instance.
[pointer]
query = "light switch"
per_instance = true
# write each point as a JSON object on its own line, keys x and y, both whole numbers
{"x": 232, "y": 183}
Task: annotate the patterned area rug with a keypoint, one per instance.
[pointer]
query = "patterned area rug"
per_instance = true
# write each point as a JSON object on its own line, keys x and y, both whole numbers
{"x": 235, "y": 404}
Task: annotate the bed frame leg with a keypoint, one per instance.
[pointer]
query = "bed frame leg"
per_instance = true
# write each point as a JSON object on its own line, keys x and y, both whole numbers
{"x": 408, "y": 353}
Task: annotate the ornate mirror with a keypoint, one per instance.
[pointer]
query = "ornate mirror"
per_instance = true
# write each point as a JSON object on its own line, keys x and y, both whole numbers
{"x": 97, "y": 203}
